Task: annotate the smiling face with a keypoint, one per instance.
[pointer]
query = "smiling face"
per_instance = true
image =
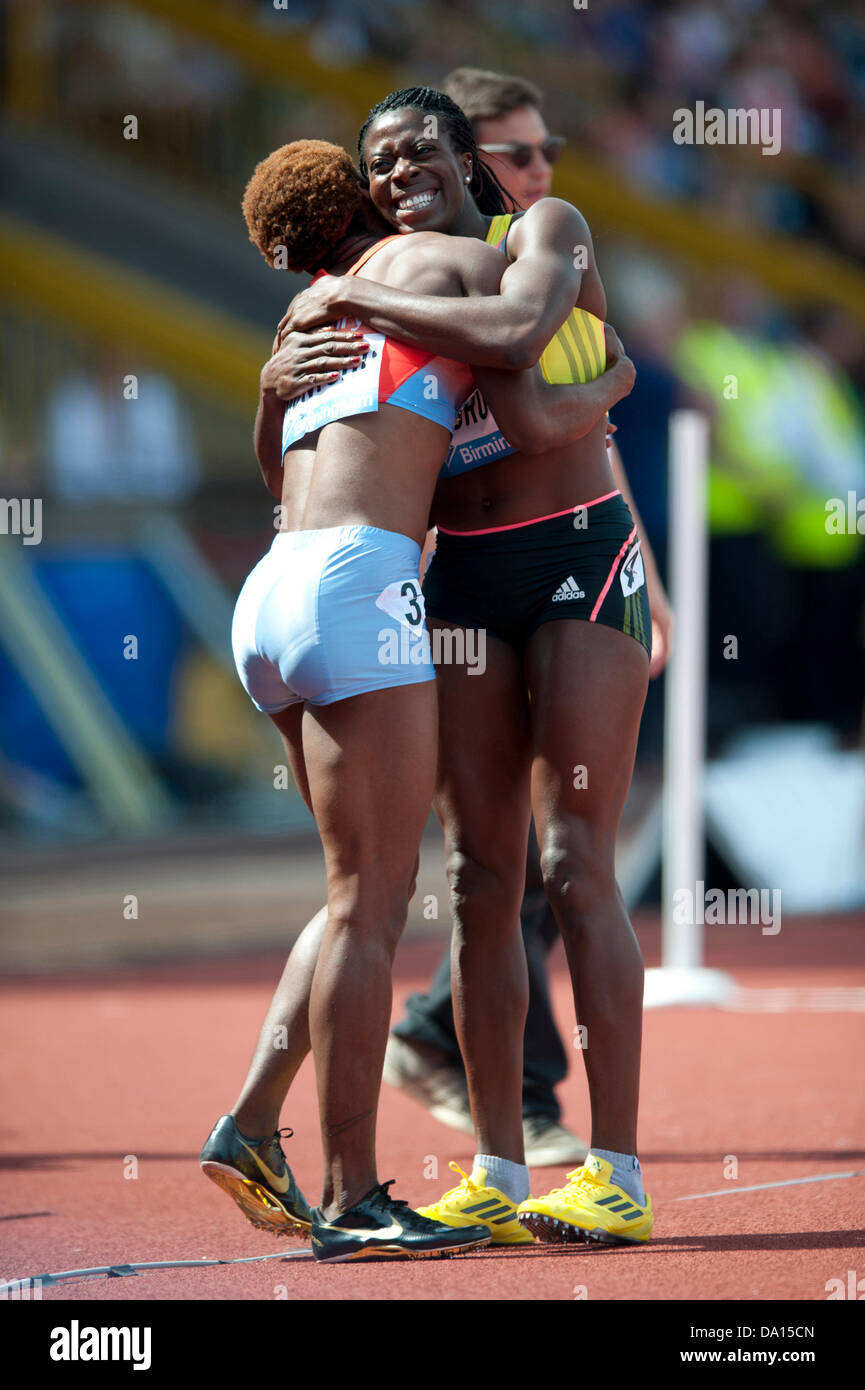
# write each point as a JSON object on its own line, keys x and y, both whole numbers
{"x": 417, "y": 181}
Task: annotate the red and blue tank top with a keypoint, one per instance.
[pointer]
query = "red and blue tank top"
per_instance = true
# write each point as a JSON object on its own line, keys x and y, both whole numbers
{"x": 390, "y": 373}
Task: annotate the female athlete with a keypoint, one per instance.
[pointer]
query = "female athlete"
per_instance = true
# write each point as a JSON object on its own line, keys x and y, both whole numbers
{"x": 543, "y": 554}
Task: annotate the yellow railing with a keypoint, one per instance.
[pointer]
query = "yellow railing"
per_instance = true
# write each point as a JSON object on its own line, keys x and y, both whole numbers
{"x": 188, "y": 339}
{"x": 795, "y": 271}
{"x": 269, "y": 55}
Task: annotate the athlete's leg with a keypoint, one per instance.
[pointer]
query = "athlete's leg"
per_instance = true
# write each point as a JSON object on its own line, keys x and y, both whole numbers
{"x": 284, "y": 1038}
{"x": 588, "y": 683}
{"x": 428, "y": 1022}
{"x": 371, "y": 762}
{"x": 283, "y": 1042}
{"x": 545, "y": 1062}
{"x": 482, "y": 799}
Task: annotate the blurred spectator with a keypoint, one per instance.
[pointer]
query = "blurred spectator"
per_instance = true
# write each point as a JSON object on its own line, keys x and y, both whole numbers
{"x": 117, "y": 59}
{"x": 788, "y": 435}
{"x": 510, "y": 130}
{"x": 648, "y": 307}
{"x": 104, "y": 443}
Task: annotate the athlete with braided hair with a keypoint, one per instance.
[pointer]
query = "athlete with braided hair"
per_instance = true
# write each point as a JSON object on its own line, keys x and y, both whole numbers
{"x": 544, "y": 555}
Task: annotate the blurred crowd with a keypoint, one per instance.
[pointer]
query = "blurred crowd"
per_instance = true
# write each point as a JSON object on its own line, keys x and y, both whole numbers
{"x": 784, "y": 394}
{"x": 615, "y": 70}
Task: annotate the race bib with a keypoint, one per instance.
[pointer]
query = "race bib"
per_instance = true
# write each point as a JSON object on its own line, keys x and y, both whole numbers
{"x": 403, "y": 601}
{"x": 355, "y": 392}
{"x": 476, "y": 438}
{"x": 632, "y": 575}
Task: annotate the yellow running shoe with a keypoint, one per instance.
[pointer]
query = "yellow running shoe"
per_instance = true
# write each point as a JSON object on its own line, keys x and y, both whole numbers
{"x": 589, "y": 1208}
{"x": 472, "y": 1203}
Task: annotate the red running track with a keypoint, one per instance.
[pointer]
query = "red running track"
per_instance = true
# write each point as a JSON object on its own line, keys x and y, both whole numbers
{"x": 140, "y": 1064}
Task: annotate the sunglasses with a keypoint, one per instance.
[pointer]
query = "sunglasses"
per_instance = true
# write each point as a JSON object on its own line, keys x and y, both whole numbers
{"x": 520, "y": 155}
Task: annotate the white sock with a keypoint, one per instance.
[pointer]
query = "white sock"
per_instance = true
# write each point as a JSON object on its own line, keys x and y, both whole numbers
{"x": 627, "y": 1173}
{"x": 510, "y": 1178}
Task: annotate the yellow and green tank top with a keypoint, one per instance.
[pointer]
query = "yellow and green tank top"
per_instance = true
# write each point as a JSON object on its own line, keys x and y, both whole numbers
{"x": 576, "y": 353}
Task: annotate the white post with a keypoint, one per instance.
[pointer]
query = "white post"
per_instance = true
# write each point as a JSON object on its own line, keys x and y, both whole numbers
{"x": 685, "y": 722}
{"x": 682, "y": 978}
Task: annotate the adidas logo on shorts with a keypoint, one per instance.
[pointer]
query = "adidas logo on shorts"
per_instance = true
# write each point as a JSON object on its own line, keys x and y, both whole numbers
{"x": 570, "y": 589}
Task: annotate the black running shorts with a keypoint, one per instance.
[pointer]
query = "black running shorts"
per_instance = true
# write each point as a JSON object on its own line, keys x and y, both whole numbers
{"x": 584, "y": 563}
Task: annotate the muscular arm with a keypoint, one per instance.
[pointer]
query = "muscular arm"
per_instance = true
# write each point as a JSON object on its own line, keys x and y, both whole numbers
{"x": 267, "y": 439}
{"x": 509, "y": 330}
{"x": 535, "y": 416}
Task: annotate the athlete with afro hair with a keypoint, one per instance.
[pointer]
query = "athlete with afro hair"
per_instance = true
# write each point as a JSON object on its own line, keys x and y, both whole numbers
{"x": 300, "y": 201}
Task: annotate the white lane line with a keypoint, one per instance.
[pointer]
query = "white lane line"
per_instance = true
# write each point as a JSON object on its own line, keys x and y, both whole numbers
{"x": 124, "y": 1270}
{"x": 840, "y": 999}
{"x": 761, "y": 1186}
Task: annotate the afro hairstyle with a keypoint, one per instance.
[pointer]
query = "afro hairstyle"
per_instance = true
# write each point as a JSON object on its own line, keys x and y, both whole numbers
{"x": 300, "y": 201}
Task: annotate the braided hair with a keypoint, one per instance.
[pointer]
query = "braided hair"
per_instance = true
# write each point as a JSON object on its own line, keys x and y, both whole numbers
{"x": 488, "y": 193}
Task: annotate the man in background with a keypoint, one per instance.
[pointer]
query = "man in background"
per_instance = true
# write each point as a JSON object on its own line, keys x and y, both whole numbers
{"x": 510, "y": 130}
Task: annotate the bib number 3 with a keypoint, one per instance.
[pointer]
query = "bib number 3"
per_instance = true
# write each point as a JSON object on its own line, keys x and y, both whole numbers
{"x": 414, "y": 612}
{"x": 403, "y": 601}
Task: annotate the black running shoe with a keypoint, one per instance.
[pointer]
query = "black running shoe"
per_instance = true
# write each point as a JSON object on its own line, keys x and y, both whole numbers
{"x": 254, "y": 1172}
{"x": 383, "y": 1225}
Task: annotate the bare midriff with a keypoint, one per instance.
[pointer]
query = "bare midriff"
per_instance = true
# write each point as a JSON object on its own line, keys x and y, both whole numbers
{"x": 370, "y": 470}
{"x": 522, "y": 486}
